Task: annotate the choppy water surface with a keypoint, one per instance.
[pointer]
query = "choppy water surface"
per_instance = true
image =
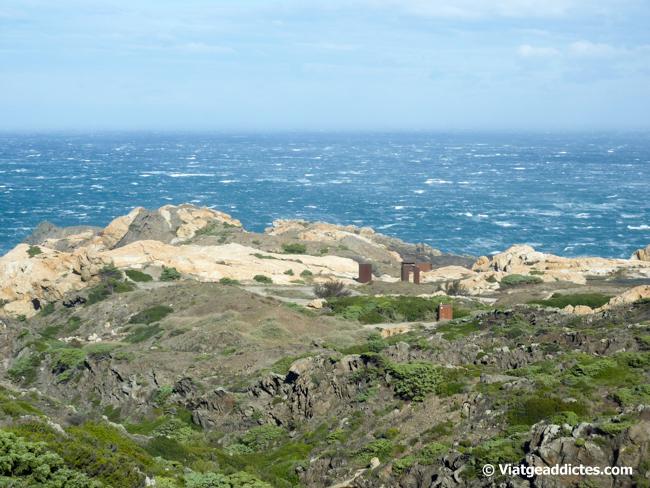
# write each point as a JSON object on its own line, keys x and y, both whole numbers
{"x": 469, "y": 193}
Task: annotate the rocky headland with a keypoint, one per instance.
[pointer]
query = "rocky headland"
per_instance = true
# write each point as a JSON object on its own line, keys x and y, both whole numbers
{"x": 174, "y": 348}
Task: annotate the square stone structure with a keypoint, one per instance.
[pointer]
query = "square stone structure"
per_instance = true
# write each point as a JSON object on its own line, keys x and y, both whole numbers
{"x": 445, "y": 311}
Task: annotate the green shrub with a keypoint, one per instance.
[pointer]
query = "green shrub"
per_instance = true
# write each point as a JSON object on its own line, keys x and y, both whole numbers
{"x": 66, "y": 360}
{"x": 558, "y": 300}
{"x": 331, "y": 289}
{"x": 380, "y": 448}
{"x": 32, "y": 464}
{"x": 167, "y": 448}
{"x": 517, "y": 279}
{"x": 151, "y": 314}
{"x": 111, "y": 282}
{"x": 402, "y": 464}
{"x": 169, "y": 274}
{"x": 455, "y": 330}
{"x": 163, "y": 393}
{"x": 138, "y": 276}
{"x": 263, "y": 437}
{"x": 174, "y": 428}
{"x": 305, "y": 273}
{"x": 499, "y": 450}
{"x": 25, "y": 369}
{"x": 34, "y": 251}
{"x": 294, "y": 248}
{"x": 103, "y": 453}
{"x": 413, "y": 381}
{"x": 289, "y": 272}
{"x": 262, "y": 279}
{"x": 228, "y": 281}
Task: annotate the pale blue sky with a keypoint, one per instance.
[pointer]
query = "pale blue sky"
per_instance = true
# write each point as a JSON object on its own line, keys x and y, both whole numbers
{"x": 338, "y": 64}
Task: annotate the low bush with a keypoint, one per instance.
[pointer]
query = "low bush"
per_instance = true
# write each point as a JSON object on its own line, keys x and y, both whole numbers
{"x": 413, "y": 381}
{"x": 498, "y": 451}
{"x": 262, "y": 279}
{"x": 228, "y": 281}
{"x": 380, "y": 448}
{"x": 66, "y": 360}
{"x": 331, "y": 289}
{"x": 558, "y": 300}
{"x": 112, "y": 281}
{"x": 138, "y": 276}
{"x": 34, "y": 251}
{"x": 294, "y": 248}
{"x": 25, "y": 369}
{"x": 169, "y": 274}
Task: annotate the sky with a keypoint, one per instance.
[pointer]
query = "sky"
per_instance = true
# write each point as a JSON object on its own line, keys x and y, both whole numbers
{"x": 324, "y": 65}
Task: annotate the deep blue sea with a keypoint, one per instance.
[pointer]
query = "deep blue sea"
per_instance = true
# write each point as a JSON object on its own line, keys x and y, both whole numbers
{"x": 463, "y": 193}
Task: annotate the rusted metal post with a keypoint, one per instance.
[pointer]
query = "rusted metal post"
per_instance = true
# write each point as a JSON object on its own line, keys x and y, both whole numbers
{"x": 365, "y": 273}
{"x": 416, "y": 275}
{"x": 406, "y": 270}
{"x": 445, "y": 311}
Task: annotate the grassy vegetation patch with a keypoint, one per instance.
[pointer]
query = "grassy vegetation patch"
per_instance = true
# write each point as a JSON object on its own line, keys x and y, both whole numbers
{"x": 558, "y": 300}
{"x": 143, "y": 333}
{"x": 518, "y": 280}
{"x": 428, "y": 455}
{"x": 375, "y": 310}
{"x": 281, "y": 366}
{"x": 151, "y": 314}
{"x": 532, "y": 409}
{"x": 455, "y": 329}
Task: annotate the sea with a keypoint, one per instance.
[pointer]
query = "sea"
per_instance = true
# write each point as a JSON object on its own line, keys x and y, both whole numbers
{"x": 467, "y": 193}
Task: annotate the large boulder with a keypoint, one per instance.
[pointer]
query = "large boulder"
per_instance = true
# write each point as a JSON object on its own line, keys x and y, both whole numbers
{"x": 642, "y": 254}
